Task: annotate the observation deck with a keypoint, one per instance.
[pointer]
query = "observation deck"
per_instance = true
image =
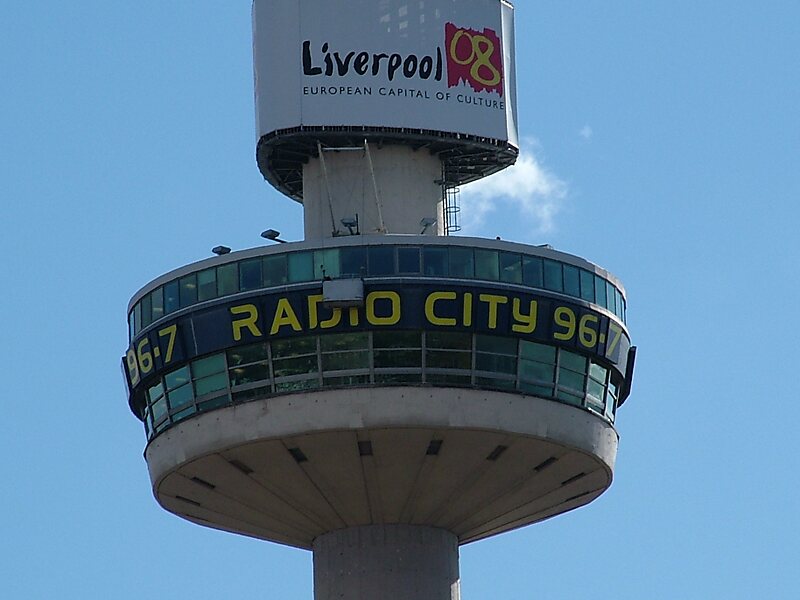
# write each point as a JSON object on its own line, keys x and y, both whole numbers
{"x": 291, "y": 390}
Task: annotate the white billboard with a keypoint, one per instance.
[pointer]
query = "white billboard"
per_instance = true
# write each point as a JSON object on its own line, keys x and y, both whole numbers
{"x": 436, "y": 65}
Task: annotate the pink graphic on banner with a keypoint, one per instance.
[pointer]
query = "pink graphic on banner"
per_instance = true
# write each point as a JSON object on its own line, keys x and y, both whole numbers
{"x": 474, "y": 57}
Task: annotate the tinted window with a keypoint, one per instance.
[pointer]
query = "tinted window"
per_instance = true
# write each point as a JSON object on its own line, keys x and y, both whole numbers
{"x": 301, "y": 266}
{"x": 275, "y": 270}
{"x": 486, "y": 265}
{"x": 188, "y": 292}
{"x": 572, "y": 284}
{"x": 381, "y": 260}
{"x": 552, "y": 276}
{"x": 510, "y": 267}
{"x": 408, "y": 260}
{"x": 587, "y": 286}
{"x": 250, "y": 274}
{"x": 354, "y": 261}
{"x": 436, "y": 261}
{"x": 227, "y": 279}
{"x": 462, "y": 263}
{"x": 532, "y": 271}
{"x": 171, "y": 300}
{"x": 207, "y": 284}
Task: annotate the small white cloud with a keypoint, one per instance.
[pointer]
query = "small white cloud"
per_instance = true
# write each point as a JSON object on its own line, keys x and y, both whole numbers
{"x": 527, "y": 187}
{"x": 585, "y": 132}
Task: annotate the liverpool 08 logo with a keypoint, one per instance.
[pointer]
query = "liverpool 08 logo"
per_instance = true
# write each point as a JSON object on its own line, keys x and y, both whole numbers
{"x": 474, "y": 57}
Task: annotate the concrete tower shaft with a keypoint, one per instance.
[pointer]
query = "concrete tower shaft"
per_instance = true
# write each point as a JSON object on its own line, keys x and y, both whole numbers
{"x": 386, "y": 189}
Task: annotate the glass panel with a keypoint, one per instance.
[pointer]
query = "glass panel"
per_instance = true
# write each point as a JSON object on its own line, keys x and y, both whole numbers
{"x": 448, "y": 339}
{"x": 206, "y": 366}
{"x": 344, "y": 341}
{"x": 624, "y": 310}
{"x": 570, "y": 379}
{"x": 510, "y": 267}
{"x": 381, "y": 260}
{"x": 171, "y": 301}
{"x": 326, "y": 263}
{"x": 487, "y": 265}
{"x": 295, "y": 366}
{"x": 532, "y": 271}
{"x": 447, "y": 379}
{"x": 597, "y": 372}
{"x": 496, "y": 363}
{"x": 137, "y": 316}
{"x": 408, "y": 260}
{"x": 180, "y": 397}
{"x": 275, "y": 270}
{"x": 147, "y": 311}
{"x": 183, "y": 414}
{"x": 301, "y": 266}
{"x": 390, "y": 378}
{"x": 214, "y": 403}
{"x": 539, "y": 390}
{"x": 159, "y": 410}
{"x": 207, "y": 284}
{"x": 177, "y": 377}
{"x": 600, "y": 290}
{"x": 294, "y": 386}
{"x": 354, "y": 261}
{"x": 294, "y": 347}
{"x": 435, "y": 259}
{"x": 247, "y": 354}
{"x": 397, "y": 358}
{"x": 188, "y": 291}
{"x": 536, "y": 370}
{"x": 538, "y": 352}
{"x": 618, "y": 296}
{"x": 346, "y": 380}
{"x": 612, "y": 304}
{"x": 572, "y": 361}
{"x": 552, "y": 276}
{"x": 396, "y": 339}
{"x": 227, "y": 279}
{"x": 155, "y": 392}
{"x": 131, "y": 324}
{"x": 597, "y": 390}
{"x": 214, "y": 383}
{"x": 495, "y": 383}
{"x": 250, "y": 274}
{"x": 569, "y": 398}
{"x": 493, "y": 343}
{"x": 158, "y": 303}
{"x": 345, "y": 361}
{"x": 587, "y": 286}
{"x": 444, "y": 359}
{"x": 462, "y": 262}
{"x": 572, "y": 284}
{"x": 249, "y": 374}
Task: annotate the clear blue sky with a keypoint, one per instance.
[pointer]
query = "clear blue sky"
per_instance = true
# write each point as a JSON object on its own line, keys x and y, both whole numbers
{"x": 668, "y": 135}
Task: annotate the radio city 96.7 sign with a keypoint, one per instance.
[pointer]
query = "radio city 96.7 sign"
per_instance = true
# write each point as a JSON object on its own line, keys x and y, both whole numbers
{"x": 436, "y": 65}
{"x": 279, "y": 314}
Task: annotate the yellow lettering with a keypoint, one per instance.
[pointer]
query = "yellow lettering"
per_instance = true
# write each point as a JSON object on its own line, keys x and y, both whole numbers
{"x": 336, "y": 317}
{"x": 313, "y": 316}
{"x": 353, "y": 316}
{"x": 394, "y": 299}
{"x": 430, "y": 308}
{"x": 528, "y": 322}
{"x": 467, "y": 309}
{"x": 248, "y": 322}
{"x": 284, "y": 315}
{"x": 493, "y": 302}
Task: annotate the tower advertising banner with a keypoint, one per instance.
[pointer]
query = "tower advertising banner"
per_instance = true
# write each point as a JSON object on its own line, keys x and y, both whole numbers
{"x": 435, "y": 65}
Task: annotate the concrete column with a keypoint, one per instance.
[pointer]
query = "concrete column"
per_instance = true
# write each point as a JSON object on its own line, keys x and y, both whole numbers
{"x": 407, "y": 187}
{"x": 386, "y": 562}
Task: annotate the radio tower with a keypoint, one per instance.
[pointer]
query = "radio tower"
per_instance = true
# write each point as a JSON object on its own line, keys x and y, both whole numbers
{"x": 380, "y": 393}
